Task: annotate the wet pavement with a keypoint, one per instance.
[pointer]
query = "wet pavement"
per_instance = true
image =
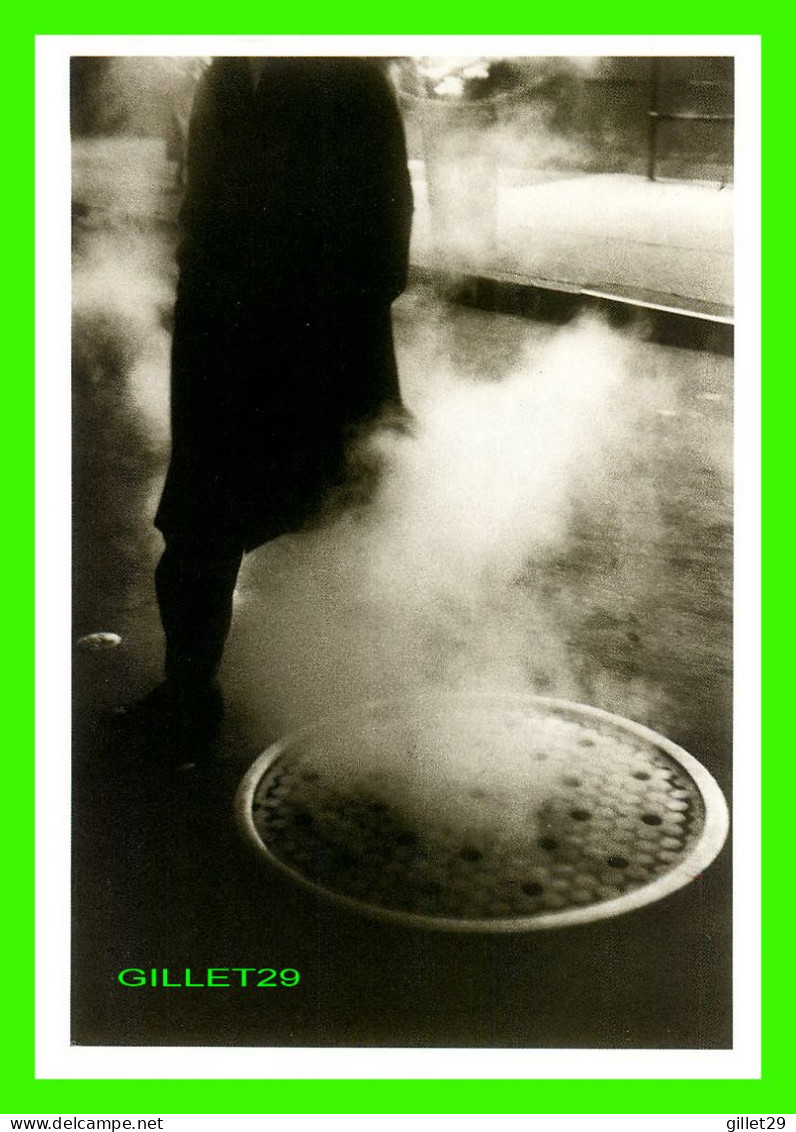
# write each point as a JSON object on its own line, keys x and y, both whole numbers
{"x": 639, "y": 593}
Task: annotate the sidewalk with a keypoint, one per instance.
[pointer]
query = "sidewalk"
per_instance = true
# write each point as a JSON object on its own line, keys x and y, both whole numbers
{"x": 662, "y": 244}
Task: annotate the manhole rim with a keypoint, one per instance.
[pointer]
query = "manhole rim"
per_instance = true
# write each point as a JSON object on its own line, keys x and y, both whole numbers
{"x": 702, "y": 853}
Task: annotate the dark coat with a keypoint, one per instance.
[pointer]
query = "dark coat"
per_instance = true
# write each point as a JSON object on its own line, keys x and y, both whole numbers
{"x": 295, "y": 237}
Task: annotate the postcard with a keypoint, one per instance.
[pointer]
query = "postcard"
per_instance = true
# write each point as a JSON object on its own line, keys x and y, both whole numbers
{"x": 409, "y": 630}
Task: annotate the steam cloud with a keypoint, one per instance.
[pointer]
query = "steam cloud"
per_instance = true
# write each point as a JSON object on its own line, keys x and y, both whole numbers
{"x": 441, "y": 584}
{"x": 431, "y": 586}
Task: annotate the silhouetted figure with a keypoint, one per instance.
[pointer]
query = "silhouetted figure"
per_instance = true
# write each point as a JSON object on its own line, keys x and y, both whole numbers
{"x": 295, "y": 236}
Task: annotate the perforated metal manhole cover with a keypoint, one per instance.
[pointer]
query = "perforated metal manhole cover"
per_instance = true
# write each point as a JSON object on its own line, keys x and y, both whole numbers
{"x": 486, "y": 813}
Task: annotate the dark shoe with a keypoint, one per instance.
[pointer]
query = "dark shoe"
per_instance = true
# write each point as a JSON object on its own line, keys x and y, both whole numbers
{"x": 174, "y": 723}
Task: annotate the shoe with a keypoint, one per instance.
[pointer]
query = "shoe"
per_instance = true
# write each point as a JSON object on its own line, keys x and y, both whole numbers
{"x": 174, "y": 723}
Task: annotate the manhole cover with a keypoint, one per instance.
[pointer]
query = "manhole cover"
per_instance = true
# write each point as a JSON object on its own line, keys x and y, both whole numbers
{"x": 484, "y": 813}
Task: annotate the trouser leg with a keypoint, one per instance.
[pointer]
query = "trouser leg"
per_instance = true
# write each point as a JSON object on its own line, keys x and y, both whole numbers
{"x": 195, "y": 580}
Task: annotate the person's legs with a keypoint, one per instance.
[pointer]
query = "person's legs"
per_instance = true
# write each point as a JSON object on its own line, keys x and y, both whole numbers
{"x": 176, "y": 723}
{"x": 195, "y": 580}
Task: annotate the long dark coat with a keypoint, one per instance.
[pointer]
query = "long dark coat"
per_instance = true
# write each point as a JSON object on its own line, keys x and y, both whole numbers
{"x": 295, "y": 235}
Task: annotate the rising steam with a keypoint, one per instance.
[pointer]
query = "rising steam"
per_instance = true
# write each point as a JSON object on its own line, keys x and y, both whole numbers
{"x": 436, "y": 584}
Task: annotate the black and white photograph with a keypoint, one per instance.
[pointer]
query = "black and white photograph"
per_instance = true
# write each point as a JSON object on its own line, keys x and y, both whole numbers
{"x": 402, "y": 549}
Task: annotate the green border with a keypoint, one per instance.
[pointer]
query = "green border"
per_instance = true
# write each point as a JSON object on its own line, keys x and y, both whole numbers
{"x": 771, "y": 1094}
